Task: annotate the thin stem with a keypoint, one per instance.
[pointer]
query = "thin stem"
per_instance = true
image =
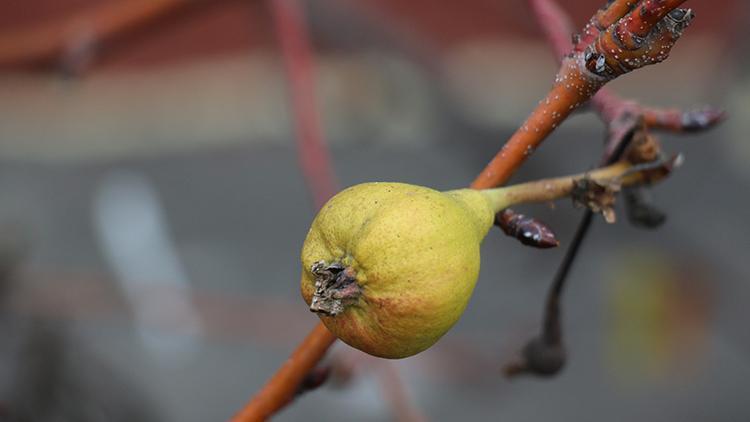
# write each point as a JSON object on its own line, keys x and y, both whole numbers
{"x": 545, "y": 190}
{"x": 551, "y": 328}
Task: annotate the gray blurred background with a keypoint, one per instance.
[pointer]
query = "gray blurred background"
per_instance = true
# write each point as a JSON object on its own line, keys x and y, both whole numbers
{"x": 152, "y": 210}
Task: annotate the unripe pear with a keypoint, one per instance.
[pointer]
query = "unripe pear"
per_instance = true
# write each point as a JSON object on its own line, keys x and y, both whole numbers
{"x": 390, "y": 267}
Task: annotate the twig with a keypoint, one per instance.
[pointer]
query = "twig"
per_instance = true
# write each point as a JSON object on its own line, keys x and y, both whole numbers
{"x": 284, "y": 384}
{"x": 298, "y": 63}
{"x": 626, "y": 120}
{"x": 558, "y": 30}
{"x": 612, "y": 108}
{"x": 49, "y": 42}
{"x": 586, "y": 70}
{"x": 585, "y": 188}
{"x": 316, "y": 167}
{"x": 573, "y": 86}
{"x": 620, "y": 115}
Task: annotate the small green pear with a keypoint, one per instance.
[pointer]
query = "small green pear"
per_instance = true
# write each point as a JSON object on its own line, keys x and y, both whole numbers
{"x": 390, "y": 267}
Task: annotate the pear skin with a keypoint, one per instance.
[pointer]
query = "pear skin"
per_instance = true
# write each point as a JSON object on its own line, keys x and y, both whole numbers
{"x": 390, "y": 267}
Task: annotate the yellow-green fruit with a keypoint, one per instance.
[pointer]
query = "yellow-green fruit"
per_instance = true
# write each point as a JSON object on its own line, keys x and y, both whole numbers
{"x": 390, "y": 267}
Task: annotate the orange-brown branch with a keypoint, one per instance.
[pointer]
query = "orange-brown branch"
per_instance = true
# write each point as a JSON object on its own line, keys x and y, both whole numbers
{"x": 316, "y": 166}
{"x": 613, "y": 12}
{"x": 587, "y": 69}
{"x": 572, "y": 88}
{"x": 645, "y": 16}
{"x": 603, "y": 19}
{"x": 644, "y": 36}
{"x": 557, "y": 29}
{"x": 49, "y": 41}
{"x": 280, "y": 389}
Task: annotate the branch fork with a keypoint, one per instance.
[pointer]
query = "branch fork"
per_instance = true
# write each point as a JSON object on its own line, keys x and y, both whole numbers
{"x": 610, "y": 43}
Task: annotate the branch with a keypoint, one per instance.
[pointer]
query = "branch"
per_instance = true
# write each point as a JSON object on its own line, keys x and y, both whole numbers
{"x": 51, "y": 41}
{"x": 558, "y": 29}
{"x": 573, "y": 86}
{"x": 628, "y": 124}
{"x": 298, "y": 64}
{"x": 612, "y": 108}
{"x": 590, "y": 189}
{"x": 620, "y": 115}
{"x": 641, "y": 37}
{"x": 316, "y": 167}
{"x": 280, "y": 389}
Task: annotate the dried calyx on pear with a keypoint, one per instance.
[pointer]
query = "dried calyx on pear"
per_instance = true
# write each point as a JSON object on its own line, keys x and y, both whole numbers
{"x": 390, "y": 267}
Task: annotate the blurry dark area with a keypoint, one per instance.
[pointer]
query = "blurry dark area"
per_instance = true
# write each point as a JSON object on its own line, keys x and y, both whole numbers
{"x": 152, "y": 210}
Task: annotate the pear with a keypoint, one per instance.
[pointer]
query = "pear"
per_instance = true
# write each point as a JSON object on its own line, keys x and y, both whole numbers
{"x": 390, "y": 267}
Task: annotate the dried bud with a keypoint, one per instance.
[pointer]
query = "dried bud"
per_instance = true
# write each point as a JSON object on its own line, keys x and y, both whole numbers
{"x": 701, "y": 119}
{"x": 644, "y": 147}
{"x": 596, "y": 196}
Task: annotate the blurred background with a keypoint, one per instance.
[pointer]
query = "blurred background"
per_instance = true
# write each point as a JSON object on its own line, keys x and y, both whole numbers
{"x": 152, "y": 209}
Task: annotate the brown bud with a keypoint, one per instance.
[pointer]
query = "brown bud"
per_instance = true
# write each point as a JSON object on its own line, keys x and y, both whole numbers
{"x": 528, "y": 230}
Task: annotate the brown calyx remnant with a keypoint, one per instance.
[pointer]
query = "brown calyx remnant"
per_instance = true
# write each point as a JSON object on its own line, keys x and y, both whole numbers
{"x": 598, "y": 194}
{"x": 335, "y": 288}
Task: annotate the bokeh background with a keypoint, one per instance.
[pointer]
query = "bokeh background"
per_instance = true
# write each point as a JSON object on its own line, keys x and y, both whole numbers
{"x": 152, "y": 209}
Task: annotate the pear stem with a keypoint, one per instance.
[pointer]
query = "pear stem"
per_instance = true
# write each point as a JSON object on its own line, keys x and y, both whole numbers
{"x": 621, "y": 173}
